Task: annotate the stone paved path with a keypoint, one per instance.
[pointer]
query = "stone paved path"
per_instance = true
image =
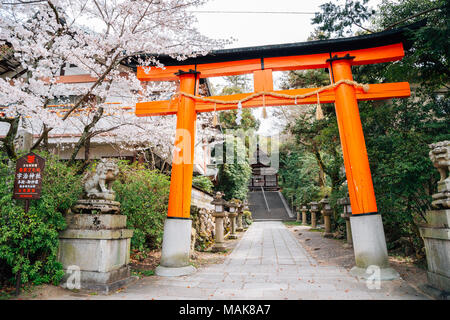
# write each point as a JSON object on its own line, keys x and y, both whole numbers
{"x": 268, "y": 263}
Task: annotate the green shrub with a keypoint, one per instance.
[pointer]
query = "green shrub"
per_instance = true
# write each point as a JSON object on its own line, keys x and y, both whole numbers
{"x": 248, "y": 217}
{"x": 29, "y": 241}
{"x": 203, "y": 183}
{"x": 143, "y": 195}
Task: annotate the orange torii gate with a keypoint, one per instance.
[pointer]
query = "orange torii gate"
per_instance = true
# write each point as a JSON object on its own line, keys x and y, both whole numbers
{"x": 336, "y": 55}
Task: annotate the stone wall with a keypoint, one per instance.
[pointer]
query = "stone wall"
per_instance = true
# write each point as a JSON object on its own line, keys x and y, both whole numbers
{"x": 203, "y": 223}
{"x": 201, "y": 199}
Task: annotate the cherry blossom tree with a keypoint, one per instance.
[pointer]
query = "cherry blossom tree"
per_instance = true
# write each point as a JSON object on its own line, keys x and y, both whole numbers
{"x": 99, "y": 37}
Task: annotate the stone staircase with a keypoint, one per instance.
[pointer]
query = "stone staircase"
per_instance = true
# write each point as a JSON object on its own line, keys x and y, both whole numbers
{"x": 276, "y": 209}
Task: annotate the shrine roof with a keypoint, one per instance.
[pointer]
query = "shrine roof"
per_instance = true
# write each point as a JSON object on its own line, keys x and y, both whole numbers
{"x": 298, "y": 48}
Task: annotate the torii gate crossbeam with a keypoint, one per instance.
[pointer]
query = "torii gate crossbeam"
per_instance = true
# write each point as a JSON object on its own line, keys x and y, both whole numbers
{"x": 369, "y": 230}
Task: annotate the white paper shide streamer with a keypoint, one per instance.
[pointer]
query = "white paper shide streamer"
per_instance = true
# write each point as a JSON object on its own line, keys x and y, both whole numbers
{"x": 239, "y": 114}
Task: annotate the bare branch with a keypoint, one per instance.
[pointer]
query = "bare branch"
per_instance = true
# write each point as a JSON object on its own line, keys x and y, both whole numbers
{"x": 411, "y": 17}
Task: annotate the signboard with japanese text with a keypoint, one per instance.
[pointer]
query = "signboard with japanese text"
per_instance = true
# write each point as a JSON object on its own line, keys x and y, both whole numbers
{"x": 28, "y": 178}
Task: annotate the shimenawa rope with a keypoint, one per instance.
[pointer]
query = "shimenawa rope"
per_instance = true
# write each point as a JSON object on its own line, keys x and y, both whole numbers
{"x": 365, "y": 88}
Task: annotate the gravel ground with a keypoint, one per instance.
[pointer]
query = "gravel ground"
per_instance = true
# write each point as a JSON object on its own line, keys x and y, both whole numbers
{"x": 330, "y": 252}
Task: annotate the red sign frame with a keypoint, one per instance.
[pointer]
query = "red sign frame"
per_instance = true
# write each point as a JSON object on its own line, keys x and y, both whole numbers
{"x": 28, "y": 177}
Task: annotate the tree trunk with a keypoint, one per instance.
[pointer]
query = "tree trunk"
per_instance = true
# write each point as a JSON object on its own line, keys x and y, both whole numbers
{"x": 86, "y": 134}
{"x": 153, "y": 159}
{"x": 8, "y": 140}
{"x": 321, "y": 177}
{"x": 43, "y": 138}
{"x": 87, "y": 149}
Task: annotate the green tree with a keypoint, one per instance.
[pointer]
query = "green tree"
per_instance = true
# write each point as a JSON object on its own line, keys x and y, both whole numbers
{"x": 321, "y": 139}
{"x": 398, "y": 132}
{"x": 304, "y": 79}
{"x": 298, "y": 174}
{"x": 237, "y": 84}
{"x": 336, "y": 20}
{"x": 234, "y": 174}
{"x": 29, "y": 241}
{"x": 318, "y": 137}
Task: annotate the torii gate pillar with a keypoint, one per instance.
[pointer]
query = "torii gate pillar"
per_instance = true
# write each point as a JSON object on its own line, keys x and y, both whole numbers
{"x": 176, "y": 246}
{"x": 367, "y": 228}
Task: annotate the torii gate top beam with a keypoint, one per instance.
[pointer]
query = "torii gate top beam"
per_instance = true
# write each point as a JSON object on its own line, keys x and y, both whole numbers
{"x": 293, "y": 56}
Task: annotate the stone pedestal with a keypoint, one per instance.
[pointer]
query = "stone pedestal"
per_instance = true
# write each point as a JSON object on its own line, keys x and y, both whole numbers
{"x": 345, "y": 202}
{"x": 240, "y": 226}
{"x": 95, "y": 252}
{"x": 436, "y": 233}
{"x": 348, "y": 231}
{"x": 232, "y": 217}
{"x": 327, "y": 222}
{"x": 326, "y": 214}
{"x": 370, "y": 249}
{"x": 304, "y": 210}
{"x": 436, "y": 236}
{"x": 93, "y": 206}
{"x": 314, "y": 219}
{"x": 314, "y": 209}
{"x": 298, "y": 216}
{"x": 219, "y": 244}
{"x": 176, "y": 248}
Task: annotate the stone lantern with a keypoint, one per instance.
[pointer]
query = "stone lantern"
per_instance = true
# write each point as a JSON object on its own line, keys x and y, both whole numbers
{"x": 314, "y": 208}
{"x": 240, "y": 212}
{"x": 233, "y": 212}
{"x": 219, "y": 214}
{"x": 326, "y": 212}
{"x": 246, "y": 208}
{"x": 304, "y": 210}
{"x": 298, "y": 214}
{"x": 345, "y": 202}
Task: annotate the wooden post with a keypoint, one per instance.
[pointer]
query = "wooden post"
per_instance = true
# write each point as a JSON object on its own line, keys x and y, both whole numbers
{"x": 175, "y": 251}
{"x": 19, "y": 272}
{"x": 368, "y": 234}
{"x": 360, "y": 187}
{"x": 183, "y": 155}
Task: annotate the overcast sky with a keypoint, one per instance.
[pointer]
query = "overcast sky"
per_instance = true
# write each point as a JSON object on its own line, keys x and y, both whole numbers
{"x": 257, "y": 29}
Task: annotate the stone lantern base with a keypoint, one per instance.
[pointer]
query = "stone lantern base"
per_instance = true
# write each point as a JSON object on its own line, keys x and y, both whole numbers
{"x": 233, "y": 234}
{"x": 240, "y": 226}
{"x": 219, "y": 242}
{"x": 436, "y": 236}
{"x": 348, "y": 230}
{"x": 95, "y": 252}
{"x": 327, "y": 223}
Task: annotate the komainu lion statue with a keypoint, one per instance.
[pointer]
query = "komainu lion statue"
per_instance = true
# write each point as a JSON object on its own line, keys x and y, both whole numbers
{"x": 440, "y": 156}
{"x": 98, "y": 183}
